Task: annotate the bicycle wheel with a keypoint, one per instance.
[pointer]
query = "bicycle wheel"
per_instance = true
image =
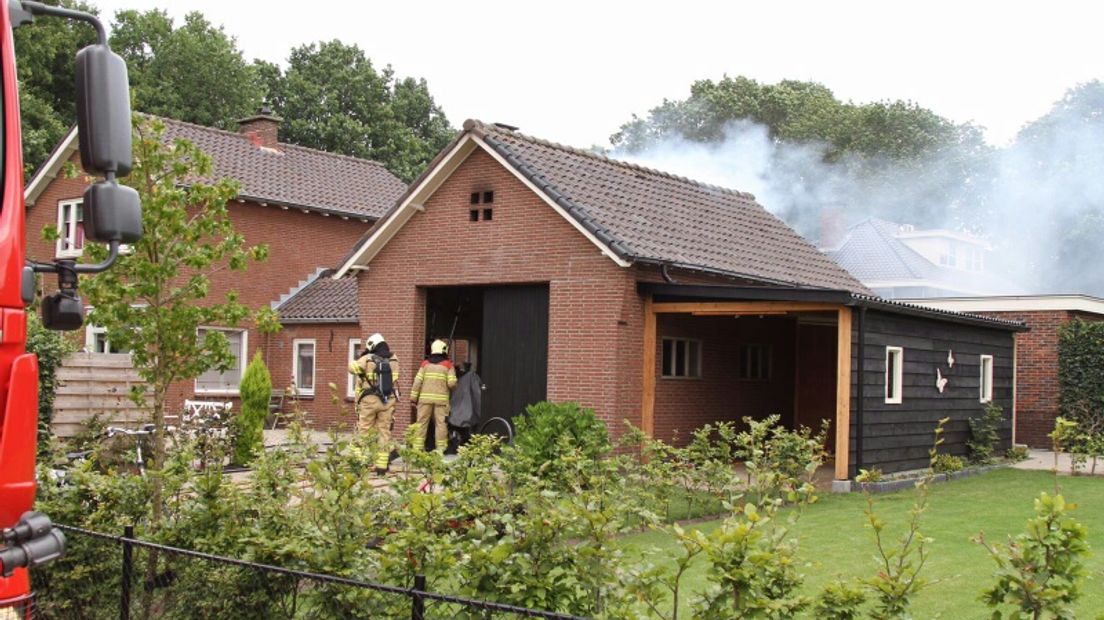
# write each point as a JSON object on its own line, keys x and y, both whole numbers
{"x": 500, "y": 427}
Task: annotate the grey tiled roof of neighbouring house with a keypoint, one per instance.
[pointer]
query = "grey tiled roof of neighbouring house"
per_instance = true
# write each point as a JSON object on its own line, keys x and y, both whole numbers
{"x": 293, "y": 175}
{"x": 322, "y": 300}
{"x": 647, "y": 216}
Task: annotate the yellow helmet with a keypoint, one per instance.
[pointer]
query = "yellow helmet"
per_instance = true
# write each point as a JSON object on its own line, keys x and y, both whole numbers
{"x": 439, "y": 347}
{"x": 373, "y": 342}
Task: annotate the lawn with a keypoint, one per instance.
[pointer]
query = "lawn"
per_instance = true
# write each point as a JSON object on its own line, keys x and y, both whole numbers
{"x": 834, "y": 541}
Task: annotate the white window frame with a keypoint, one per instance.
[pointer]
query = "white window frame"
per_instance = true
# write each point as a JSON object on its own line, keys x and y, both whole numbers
{"x": 90, "y": 333}
{"x": 295, "y": 344}
{"x": 241, "y": 366}
{"x": 676, "y": 342}
{"x": 897, "y": 377}
{"x": 60, "y": 248}
{"x": 350, "y": 381}
{"x": 985, "y": 376}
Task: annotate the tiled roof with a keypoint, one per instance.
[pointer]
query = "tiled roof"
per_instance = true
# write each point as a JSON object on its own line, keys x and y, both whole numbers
{"x": 648, "y": 216}
{"x": 294, "y": 175}
{"x": 324, "y": 300}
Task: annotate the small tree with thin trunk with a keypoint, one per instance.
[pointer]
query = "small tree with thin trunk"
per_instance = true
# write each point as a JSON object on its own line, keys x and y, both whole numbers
{"x": 156, "y": 297}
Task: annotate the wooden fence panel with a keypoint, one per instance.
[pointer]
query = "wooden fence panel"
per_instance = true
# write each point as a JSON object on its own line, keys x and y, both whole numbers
{"x": 92, "y": 384}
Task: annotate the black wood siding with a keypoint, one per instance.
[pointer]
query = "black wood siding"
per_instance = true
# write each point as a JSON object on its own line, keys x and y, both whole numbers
{"x": 898, "y": 437}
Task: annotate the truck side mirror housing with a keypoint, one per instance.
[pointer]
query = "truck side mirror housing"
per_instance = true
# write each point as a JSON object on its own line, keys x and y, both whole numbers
{"x": 112, "y": 212}
{"x": 103, "y": 111}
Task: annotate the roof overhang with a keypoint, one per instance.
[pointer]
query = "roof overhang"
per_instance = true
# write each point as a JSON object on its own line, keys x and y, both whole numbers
{"x": 1016, "y": 303}
{"x": 49, "y": 170}
{"x": 414, "y": 200}
{"x": 668, "y": 293}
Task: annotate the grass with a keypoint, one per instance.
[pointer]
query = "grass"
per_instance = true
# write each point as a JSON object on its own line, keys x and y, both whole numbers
{"x": 834, "y": 541}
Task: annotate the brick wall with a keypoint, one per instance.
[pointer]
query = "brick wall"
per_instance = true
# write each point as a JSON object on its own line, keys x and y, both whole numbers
{"x": 299, "y": 243}
{"x": 331, "y": 359}
{"x": 595, "y": 314}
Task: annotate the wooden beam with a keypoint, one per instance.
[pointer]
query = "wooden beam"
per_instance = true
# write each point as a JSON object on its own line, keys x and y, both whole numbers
{"x": 843, "y": 392}
{"x": 742, "y": 307}
{"x": 647, "y": 399}
{"x": 736, "y": 314}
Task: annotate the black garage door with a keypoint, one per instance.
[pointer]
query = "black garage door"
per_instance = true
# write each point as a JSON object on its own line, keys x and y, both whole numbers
{"x": 514, "y": 355}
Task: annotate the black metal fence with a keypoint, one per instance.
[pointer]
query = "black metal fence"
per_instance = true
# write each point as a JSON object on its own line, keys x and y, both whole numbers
{"x": 151, "y": 580}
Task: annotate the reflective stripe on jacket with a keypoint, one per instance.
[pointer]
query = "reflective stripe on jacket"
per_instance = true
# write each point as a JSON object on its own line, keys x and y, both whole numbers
{"x": 433, "y": 382}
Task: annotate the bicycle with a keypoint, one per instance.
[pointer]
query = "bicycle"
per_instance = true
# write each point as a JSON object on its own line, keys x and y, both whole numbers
{"x": 500, "y": 427}
{"x": 140, "y": 435}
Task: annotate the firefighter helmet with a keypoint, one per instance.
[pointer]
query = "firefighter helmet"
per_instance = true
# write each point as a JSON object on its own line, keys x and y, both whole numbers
{"x": 373, "y": 341}
{"x": 439, "y": 347}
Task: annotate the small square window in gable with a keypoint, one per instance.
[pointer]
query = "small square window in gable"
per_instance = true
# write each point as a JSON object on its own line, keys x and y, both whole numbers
{"x": 485, "y": 197}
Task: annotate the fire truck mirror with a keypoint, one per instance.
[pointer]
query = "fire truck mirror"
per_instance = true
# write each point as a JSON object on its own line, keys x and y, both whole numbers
{"x": 112, "y": 212}
{"x": 103, "y": 111}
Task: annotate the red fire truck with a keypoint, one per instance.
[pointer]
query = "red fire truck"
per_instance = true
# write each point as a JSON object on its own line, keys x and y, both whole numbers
{"x": 112, "y": 215}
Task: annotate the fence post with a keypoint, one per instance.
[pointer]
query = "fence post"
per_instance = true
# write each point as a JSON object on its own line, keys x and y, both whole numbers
{"x": 128, "y": 568}
{"x": 417, "y": 603}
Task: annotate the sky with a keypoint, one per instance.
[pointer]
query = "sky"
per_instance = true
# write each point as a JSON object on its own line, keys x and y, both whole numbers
{"x": 573, "y": 71}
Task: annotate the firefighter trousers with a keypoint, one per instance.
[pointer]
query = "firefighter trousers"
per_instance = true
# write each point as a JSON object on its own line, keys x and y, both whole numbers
{"x": 438, "y": 412}
{"x": 375, "y": 415}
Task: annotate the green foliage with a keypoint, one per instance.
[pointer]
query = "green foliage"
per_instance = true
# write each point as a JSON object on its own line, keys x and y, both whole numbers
{"x": 332, "y": 98}
{"x": 984, "y": 438}
{"x": 155, "y": 298}
{"x": 1018, "y": 454}
{"x": 947, "y": 464}
{"x": 869, "y": 475}
{"x": 193, "y": 72}
{"x": 248, "y": 424}
{"x": 1081, "y": 374}
{"x": 547, "y": 433}
{"x": 47, "y": 91}
{"x": 51, "y": 347}
{"x": 839, "y": 600}
{"x": 1040, "y": 572}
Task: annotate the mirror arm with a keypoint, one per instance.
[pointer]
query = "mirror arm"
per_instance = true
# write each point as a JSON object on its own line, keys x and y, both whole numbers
{"x": 55, "y": 267}
{"x": 38, "y": 8}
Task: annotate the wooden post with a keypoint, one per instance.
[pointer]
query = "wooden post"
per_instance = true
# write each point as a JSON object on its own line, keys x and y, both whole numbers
{"x": 647, "y": 400}
{"x": 843, "y": 392}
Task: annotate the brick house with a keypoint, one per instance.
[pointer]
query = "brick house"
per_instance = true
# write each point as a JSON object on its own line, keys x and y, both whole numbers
{"x": 1037, "y": 389}
{"x": 309, "y": 206}
{"x": 660, "y": 301}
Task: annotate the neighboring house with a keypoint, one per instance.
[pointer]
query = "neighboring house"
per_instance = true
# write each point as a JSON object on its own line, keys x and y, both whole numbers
{"x": 901, "y": 261}
{"x": 307, "y": 205}
{"x": 661, "y": 301}
{"x": 1037, "y": 355}
{"x": 321, "y": 335}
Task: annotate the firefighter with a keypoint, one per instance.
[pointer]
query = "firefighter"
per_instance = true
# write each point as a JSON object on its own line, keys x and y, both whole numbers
{"x": 435, "y": 379}
{"x": 377, "y": 375}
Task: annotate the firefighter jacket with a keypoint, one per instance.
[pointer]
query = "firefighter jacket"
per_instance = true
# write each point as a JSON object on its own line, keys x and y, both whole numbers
{"x": 433, "y": 382}
{"x": 367, "y": 381}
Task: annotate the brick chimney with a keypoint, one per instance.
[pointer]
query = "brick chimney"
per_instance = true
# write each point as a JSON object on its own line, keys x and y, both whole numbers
{"x": 262, "y": 128}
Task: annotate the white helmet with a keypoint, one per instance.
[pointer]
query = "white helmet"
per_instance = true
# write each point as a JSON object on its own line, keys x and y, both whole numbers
{"x": 439, "y": 347}
{"x": 373, "y": 341}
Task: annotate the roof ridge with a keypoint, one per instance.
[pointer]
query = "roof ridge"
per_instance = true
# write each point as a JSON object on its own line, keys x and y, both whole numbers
{"x": 243, "y": 137}
{"x": 482, "y": 128}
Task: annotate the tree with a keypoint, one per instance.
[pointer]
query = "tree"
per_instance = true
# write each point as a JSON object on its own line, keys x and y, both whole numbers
{"x": 47, "y": 90}
{"x": 153, "y": 301}
{"x": 256, "y": 391}
{"x": 194, "y": 72}
{"x": 332, "y": 98}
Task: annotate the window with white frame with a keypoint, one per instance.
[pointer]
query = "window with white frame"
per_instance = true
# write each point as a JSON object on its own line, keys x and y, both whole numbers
{"x": 681, "y": 358}
{"x": 95, "y": 340}
{"x": 985, "y": 391}
{"x": 895, "y": 362}
{"x": 755, "y": 362}
{"x": 302, "y": 365}
{"x": 350, "y": 385}
{"x": 70, "y": 228}
{"x": 229, "y": 380}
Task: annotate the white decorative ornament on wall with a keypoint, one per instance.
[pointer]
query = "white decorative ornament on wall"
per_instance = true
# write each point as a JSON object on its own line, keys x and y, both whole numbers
{"x": 950, "y": 359}
{"x": 940, "y": 380}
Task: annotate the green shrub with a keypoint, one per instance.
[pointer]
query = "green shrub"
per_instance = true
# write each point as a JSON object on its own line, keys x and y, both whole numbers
{"x": 946, "y": 464}
{"x": 1017, "y": 454}
{"x": 549, "y": 432}
{"x": 248, "y": 425}
{"x": 870, "y": 475}
{"x": 51, "y": 347}
{"x": 1040, "y": 573}
{"x": 984, "y": 438}
{"x": 839, "y": 600}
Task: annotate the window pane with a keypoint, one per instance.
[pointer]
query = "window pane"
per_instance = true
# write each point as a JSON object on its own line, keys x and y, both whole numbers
{"x": 305, "y": 360}
{"x": 213, "y": 379}
{"x": 891, "y": 375}
{"x": 695, "y": 358}
{"x": 680, "y": 358}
